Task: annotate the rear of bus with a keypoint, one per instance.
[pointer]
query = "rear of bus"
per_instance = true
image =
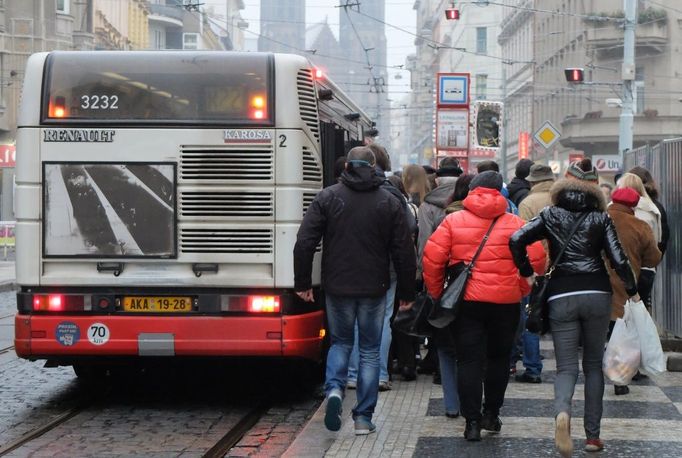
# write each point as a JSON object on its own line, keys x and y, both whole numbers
{"x": 158, "y": 196}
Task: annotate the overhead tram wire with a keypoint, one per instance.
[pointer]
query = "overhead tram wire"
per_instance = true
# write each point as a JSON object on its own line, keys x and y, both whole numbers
{"x": 594, "y": 17}
{"x": 216, "y": 22}
{"x": 376, "y": 81}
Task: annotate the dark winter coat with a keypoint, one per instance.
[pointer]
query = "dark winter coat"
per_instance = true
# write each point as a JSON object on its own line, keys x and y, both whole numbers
{"x": 409, "y": 214}
{"x": 363, "y": 227}
{"x": 432, "y": 211}
{"x": 639, "y": 243}
{"x": 518, "y": 190}
{"x": 581, "y": 268}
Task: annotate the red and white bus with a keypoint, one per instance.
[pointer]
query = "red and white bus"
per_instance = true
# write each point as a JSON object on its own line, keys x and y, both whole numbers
{"x": 158, "y": 196}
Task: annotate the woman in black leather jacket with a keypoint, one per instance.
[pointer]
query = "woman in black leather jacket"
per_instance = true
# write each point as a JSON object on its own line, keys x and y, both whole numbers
{"x": 579, "y": 291}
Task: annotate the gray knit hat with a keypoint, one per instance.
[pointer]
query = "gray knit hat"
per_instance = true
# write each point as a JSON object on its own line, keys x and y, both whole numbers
{"x": 488, "y": 179}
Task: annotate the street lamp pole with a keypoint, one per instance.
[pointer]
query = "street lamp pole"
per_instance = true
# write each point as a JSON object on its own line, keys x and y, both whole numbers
{"x": 628, "y": 75}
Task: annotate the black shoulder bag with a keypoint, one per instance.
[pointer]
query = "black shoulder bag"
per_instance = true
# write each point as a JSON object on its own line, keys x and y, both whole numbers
{"x": 445, "y": 311}
{"x": 538, "y": 308}
{"x": 413, "y": 322}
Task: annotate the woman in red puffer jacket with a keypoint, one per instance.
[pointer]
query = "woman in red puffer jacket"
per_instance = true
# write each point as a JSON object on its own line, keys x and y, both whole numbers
{"x": 487, "y": 321}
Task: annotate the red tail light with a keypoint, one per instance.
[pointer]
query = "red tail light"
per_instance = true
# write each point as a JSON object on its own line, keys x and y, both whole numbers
{"x": 58, "y": 108}
{"x": 263, "y": 304}
{"x": 58, "y": 303}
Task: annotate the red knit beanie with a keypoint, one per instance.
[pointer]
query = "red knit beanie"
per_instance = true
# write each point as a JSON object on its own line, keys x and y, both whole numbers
{"x": 625, "y": 196}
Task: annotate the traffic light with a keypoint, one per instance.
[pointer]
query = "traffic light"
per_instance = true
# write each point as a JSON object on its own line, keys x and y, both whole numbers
{"x": 574, "y": 75}
{"x": 452, "y": 14}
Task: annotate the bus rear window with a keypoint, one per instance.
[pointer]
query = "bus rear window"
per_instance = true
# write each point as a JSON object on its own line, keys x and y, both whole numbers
{"x": 158, "y": 87}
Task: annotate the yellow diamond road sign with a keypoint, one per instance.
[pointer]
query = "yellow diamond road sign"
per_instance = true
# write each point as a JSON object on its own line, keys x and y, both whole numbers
{"x": 547, "y": 135}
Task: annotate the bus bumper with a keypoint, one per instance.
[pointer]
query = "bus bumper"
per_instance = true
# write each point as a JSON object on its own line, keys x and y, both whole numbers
{"x": 71, "y": 336}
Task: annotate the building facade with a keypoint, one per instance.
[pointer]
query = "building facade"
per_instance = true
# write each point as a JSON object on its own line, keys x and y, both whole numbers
{"x": 517, "y": 42}
{"x": 235, "y": 25}
{"x": 423, "y": 66}
{"x": 172, "y": 25}
{"x": 27, "y": 27}
{"x": 470, "y": 45}
{"x": 324, "y": 48}
{"x": 589, "y": 35}
{"x": 282, "y": 26}
{"x": 362, "y": 37}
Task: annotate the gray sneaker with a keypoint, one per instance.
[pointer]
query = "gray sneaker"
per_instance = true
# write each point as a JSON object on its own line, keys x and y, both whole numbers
{"x": 332, "y": 417}
{"x": 385, "y": 386}
{"x": 364, "y": 427}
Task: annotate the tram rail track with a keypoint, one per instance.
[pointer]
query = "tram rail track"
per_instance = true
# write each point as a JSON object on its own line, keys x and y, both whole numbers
{"x": 218, "y": 450}
{"x": 35, "y": 433}
{"x": 238, "y": 431}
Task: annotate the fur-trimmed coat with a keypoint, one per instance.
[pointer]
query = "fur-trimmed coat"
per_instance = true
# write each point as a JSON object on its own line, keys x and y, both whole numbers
{"x": 581, "y": 267}
{"x": 640, "y": 246}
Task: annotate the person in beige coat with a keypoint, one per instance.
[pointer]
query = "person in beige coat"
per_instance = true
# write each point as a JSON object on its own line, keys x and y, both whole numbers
{"x": 541, "y": 179}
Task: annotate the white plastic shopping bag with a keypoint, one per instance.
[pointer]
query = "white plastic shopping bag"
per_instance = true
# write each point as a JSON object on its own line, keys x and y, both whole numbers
{"x": 653, "y": 360}
{"x": 622, "y": 356}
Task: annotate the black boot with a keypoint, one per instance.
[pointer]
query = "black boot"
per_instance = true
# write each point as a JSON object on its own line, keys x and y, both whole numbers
{"x": 408, "y": 374}
{"x": 621, "y": 390}
{"x": 491, "y": 423}
{"x": 472, "y": 431}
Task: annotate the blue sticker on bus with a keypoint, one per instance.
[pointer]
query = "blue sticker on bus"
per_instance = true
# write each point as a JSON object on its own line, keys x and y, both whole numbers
{"x": 67, "y": 333}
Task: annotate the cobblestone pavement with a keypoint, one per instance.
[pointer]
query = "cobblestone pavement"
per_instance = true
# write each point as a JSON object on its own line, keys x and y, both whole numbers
{"x": 170, "y": 410}
{"x": 411, "y": 422}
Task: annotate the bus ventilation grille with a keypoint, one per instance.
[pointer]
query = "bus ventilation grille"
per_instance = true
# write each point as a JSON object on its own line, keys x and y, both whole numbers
{"x": 308, "y": 198}
{"x": 227, "y": 203}
{"x": 307, "y": 101}
{"x": 226, "y": 165}
{"x": 311, "y": 169}
{"x": 231, "y": 241}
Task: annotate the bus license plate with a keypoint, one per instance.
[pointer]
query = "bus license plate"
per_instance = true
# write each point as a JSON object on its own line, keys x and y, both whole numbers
{"x": 157, "y": 304}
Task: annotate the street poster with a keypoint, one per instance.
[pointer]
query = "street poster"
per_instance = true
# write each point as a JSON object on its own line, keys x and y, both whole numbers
{"x": 452, "y": 129}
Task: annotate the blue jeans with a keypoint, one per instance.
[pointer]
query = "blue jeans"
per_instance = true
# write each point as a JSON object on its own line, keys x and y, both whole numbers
{"x": 447, "y": 359}
{"x": 531, "y": 350}
{"x": 342, "y": 314}
{"x": 385, "y": 338}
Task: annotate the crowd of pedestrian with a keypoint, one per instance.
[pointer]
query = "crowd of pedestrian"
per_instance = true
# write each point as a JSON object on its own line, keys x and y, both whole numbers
{"x": 391, "y": 237}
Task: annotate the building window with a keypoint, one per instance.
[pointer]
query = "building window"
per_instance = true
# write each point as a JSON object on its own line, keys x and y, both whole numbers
{"x": 481, "y": 87}
{"x": 481, "y": 40}
{"x": 63, "y": 6}
{"x": 190, "y": 41}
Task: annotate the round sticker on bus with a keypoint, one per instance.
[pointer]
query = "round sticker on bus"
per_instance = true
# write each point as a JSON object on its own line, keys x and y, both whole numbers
{"x": 98, "y": 334}
{"x": 67, "y": 333}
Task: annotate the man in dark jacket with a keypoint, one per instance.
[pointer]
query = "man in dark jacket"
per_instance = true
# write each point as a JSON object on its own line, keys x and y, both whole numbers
{"x": 363, "y": 227}
{"x": 519, "y": 187}
{"x": 383, "y": 165}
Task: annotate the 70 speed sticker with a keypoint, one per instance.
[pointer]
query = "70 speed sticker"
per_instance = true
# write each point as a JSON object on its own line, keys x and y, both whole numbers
{"x": 98, "y": 334}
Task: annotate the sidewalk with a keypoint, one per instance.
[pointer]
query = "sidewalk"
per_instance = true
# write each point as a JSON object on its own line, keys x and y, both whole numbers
{"x": 7, "y": 275}
{"x": 411, "y": 422}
